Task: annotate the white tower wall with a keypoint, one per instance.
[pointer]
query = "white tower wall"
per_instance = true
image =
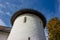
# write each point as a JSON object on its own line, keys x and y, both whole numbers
{"x": 31, "y": 29}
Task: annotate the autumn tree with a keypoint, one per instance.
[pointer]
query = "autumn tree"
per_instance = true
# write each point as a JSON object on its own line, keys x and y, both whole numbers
{"x": 53, "y": 27}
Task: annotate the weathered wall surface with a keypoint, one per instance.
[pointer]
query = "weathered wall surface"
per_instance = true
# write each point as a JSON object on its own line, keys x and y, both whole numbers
{"x": 3, "y": 35}
{"x": 26, "y": 26}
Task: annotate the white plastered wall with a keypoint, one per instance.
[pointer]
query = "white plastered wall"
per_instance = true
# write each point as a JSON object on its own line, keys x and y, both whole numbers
{"x": 33, "y": 28}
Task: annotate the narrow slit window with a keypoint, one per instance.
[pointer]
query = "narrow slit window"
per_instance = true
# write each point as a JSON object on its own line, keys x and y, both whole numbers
{"x": 25, "y": 19}
{"x": 28, "y": 38}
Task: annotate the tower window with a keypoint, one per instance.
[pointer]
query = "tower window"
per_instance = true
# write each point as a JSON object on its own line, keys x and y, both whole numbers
{"x": 25, "y": 19}
{"x": 28, "y": 38}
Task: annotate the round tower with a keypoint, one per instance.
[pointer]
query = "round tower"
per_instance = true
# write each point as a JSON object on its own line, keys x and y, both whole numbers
{"x": 28, "y": 24}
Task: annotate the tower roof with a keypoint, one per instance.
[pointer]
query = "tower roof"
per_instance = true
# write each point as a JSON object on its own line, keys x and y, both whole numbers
{"x": 28, "y": 11}
{"x": 5, "y": 29}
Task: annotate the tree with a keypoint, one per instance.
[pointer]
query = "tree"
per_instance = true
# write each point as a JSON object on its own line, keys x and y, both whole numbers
{"x": 53, "y": 27}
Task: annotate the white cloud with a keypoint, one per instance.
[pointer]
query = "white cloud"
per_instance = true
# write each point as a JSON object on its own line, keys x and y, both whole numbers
{"x": 2, "y": 5}
{"x": 1, "y": 11}
{"x": 46, "y": 33}
{"x": 7, "y": 3}
{"x": 8, "y": 13}
{"x": 2, "y": 23}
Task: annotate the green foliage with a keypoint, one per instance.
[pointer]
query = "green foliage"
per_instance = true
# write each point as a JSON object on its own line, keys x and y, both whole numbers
{"x": 53, "y": 27}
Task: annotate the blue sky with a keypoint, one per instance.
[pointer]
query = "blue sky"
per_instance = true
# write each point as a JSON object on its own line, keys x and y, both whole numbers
{"x": 8, "y": 7}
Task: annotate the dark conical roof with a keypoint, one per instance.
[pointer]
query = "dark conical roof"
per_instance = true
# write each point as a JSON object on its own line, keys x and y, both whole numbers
{"x": 27, "y": 11}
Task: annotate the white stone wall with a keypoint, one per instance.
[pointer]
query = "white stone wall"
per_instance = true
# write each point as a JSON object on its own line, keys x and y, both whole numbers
{"x": 3, "y": 36}
{"x": 33, "y": 28}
